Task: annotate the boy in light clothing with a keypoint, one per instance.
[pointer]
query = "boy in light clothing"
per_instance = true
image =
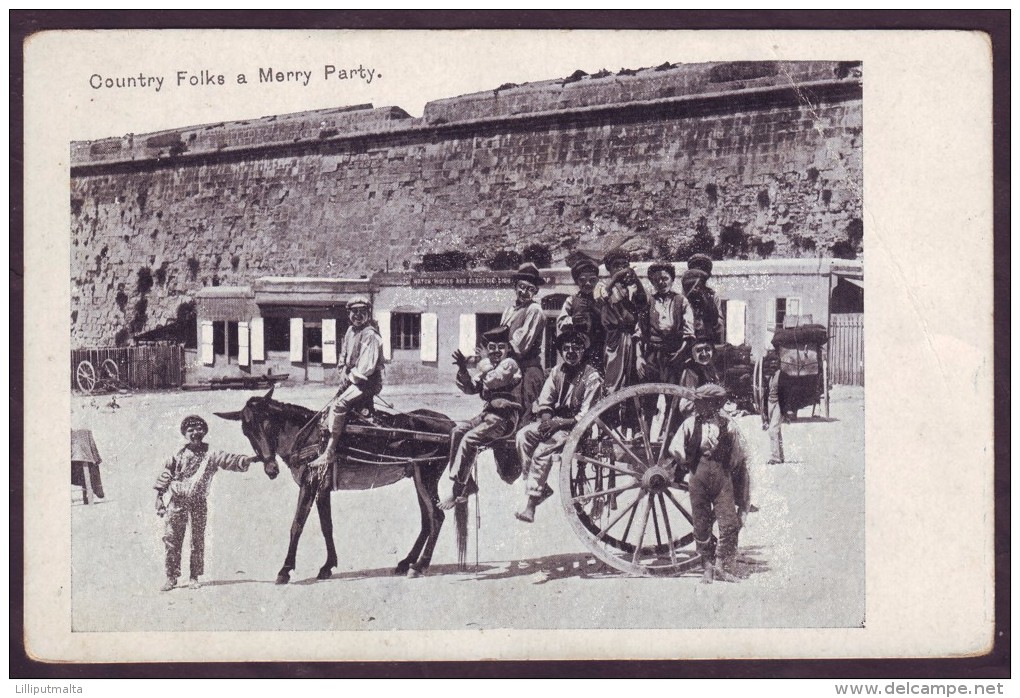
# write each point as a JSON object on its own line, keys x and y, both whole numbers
{"x": 188, "y": 475}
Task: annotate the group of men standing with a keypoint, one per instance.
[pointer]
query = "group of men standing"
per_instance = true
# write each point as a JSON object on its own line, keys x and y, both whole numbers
{"x": 610, "y": 334}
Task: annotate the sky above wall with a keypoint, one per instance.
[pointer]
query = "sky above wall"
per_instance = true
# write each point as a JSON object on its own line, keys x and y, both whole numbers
{"x": 175, "y": 78}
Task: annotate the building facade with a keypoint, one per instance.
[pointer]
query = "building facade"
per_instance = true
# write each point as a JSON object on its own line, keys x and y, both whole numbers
{"x": 294, "y": 325}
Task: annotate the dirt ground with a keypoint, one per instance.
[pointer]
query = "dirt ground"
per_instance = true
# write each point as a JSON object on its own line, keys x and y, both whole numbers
{"x": 805, "y": 545}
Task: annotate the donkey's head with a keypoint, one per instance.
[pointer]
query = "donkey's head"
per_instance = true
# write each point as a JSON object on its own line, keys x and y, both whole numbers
{"x": 261, "y": 428}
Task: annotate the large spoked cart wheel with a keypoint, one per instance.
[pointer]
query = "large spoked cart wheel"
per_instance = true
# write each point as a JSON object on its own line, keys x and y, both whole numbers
{"x": 618, "y": 483}
{"x": 107, "y": 377}
{"x": 85, "y": 376}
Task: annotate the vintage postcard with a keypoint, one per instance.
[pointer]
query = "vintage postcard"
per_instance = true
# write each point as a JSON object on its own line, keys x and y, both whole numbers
{"x": 507, "y": 345}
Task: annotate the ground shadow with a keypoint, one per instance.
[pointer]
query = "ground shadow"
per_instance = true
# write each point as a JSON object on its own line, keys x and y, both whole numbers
{"x": 230, "y": 582}
{"x": 548, "y": 568}
{"x": 568, "y": 566}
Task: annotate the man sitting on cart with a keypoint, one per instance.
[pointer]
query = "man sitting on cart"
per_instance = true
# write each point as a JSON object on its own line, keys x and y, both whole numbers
{"x": 360, "y": 368}
{"x": 498, "y": 383}
{"x": 571, "y": 389}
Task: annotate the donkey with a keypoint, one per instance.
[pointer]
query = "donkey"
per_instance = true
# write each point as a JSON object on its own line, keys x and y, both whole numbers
{"x": 377, "y": 450}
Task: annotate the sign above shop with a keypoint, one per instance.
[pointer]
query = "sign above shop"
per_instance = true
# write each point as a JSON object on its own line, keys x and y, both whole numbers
{"x": 463, "y": 279}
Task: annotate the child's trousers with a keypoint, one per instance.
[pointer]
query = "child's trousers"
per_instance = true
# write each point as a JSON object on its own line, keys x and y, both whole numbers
{"x": 177, "y": 515}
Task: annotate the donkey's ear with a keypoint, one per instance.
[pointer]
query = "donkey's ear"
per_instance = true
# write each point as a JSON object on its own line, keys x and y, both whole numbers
{"x": 269, "y": 395}
{"x": 233, "y": 416}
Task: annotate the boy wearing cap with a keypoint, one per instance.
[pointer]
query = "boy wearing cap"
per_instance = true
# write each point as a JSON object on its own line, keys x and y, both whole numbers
{"x": 623, "y": 298}
{"x": 583, "y": 312}
{"x": 526, "y": 323}
{"x": 711, "y": 447}
{"x": 360, "y": 367}
{"x": 498, "y": 383}
{"x": 667, "y": 329}
{"x": 188, "y": 475}
{"x": 569, "y": 392}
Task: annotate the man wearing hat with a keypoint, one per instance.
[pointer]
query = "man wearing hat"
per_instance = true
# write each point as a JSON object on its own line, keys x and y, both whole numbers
{"x": 526, "y": 323}
{"x": 667, "y": 329}
{"x": 701, "y": 368}
{"x": 582, "y": 312}
{"x": 568, "y": 393}
{"x": 700, "y": 261}
{"x": 623, "y": 298}
{"x": 711, "y": 447}
{"x": 188, "y": 475}
{"x": 705, "y": 303}
{"x": 360, "y": 367}
{"x": 498, "y": 384}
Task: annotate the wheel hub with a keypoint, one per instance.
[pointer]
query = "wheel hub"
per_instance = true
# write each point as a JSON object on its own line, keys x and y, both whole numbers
{"x": 655, "y": 479}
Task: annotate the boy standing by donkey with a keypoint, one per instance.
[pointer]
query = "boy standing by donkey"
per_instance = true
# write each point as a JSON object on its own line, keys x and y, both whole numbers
{"x": 188, "y": 476}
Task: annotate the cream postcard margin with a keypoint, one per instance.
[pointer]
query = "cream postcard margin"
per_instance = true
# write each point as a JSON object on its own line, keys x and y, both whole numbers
{"x": 928, "y": 242}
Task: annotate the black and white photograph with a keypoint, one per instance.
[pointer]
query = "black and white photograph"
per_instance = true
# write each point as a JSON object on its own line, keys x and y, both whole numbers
{"x": 468, "y": 335}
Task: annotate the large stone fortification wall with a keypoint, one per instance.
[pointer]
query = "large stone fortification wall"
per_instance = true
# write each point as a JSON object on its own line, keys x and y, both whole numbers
{"x": 764, "y": 157}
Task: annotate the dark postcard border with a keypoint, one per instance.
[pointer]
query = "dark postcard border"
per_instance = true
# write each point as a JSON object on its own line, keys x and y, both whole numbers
{"x": 995, "y": 23}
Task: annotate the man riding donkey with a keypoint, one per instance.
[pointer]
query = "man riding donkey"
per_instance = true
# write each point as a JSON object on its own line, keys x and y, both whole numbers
{"x": 360, "y": 368}
{"x": 569, "y": 392}
{"x": 498, "y": 383}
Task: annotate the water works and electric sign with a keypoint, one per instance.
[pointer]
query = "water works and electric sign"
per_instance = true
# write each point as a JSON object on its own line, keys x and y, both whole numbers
{"x": 464, "y": 279}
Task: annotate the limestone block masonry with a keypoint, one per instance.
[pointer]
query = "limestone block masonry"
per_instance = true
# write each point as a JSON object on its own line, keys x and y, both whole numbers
{"x": 764, "y": 157}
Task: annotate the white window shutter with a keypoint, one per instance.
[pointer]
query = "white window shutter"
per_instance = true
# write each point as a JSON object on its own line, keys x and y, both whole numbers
{"x": 329, "y": 341}
{"x": 735, "y": 322}
{"x": 206, "y": 327}
{"x": 383, "y": 318}
{"x": 793, "y": 306}
{"x": 258, "y": 347}
{"x": 297, "y": 337}
{"x": 770, "y": 314}
{"x": 429, "y": 337}
{"x": 467, "y": 334}
{"x": 243, "y": 354}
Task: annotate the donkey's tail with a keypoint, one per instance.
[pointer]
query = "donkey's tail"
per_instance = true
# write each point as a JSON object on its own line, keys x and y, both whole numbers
{"x": 460, "y": 513}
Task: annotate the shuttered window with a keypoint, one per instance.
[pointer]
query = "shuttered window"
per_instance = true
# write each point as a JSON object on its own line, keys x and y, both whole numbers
{"x": 329, "y": 353}
{"x": 429, "y": 337}
{"x": 776, "y": 310}
{"x": 382, "y": 318}
{"x": 206, "y": 332}
{"x": 258, "y": 347}
{"x": 297, "y": 335}
{"x": 467, "y": 336}
{"x": 736, "y": 322}
{"x": 243, "y": 347}
{"x": 405, "y": 331}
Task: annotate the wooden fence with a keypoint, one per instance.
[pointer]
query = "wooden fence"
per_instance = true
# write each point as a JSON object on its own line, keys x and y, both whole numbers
{"x": 846, "y": 349}
{"x": 143, "y": 367}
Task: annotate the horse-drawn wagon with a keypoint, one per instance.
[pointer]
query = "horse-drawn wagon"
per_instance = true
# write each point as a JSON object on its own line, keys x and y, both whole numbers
{"x": 619, "y": 486}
